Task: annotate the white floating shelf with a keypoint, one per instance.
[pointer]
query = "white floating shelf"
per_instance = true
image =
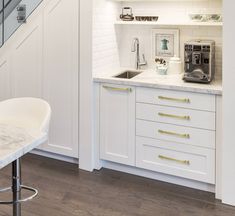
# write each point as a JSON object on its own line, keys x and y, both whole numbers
{"x": 158, "y": 23}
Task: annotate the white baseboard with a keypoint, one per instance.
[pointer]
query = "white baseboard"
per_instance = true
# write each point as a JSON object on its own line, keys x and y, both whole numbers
{"x": 160, "y": 176}
{"x": 137, "y": 171}
{"x": 55, "y": 156}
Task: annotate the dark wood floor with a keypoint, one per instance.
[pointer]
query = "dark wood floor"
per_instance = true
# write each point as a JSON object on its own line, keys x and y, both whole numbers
{"x": 65, "y": 191}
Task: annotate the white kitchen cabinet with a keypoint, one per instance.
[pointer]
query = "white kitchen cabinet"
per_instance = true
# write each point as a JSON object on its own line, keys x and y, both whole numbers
{"x": 60, "y": 75}
{"x": 177, "y": 159}
{"x": 176, "y": 116}
{"x": 181, "y": 99}
{"x": 26, "y": 62}
{"x": 117, "y": 123}
{"x": 166, "y": 131}
{"x": 176, "y": 133}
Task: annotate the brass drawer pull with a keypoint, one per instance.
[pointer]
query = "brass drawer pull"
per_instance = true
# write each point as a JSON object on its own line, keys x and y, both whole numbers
{"x": 186, "y": 162}
{"x": 174, "y": 116}
{"x": 117, "y": 89}
{"x": 185, "y": 100}
{"x": 186, "y": 136}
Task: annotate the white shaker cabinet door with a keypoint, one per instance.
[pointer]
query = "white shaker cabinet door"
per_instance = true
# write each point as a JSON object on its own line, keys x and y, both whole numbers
{"x": 60, "y": 76}
{"x": 117, "y": 124}
{"x": 26, "y": 61}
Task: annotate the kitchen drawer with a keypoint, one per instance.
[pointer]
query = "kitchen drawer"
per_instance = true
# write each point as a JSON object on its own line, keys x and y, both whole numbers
{"x": 176, "y": 134}
{"x": 176, "y": 159}
{"x": 177, "y": 116}
{"x": 187, "y": 100}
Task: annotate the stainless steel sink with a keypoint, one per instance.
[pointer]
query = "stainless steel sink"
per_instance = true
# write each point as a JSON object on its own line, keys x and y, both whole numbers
{"x": 128, "y": 74}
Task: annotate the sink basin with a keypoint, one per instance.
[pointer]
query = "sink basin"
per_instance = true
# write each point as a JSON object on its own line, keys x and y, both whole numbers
{"x": 127, "y": 74}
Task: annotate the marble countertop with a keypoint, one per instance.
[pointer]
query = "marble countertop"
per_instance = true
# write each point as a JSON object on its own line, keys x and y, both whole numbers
{"x": 16, "y": 142}
{"x": 149, "y": 78}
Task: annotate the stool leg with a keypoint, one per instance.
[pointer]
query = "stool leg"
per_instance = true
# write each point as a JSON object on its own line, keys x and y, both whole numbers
{"x": 16, "y": 187}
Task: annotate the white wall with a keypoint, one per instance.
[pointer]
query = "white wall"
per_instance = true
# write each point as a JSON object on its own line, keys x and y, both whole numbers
{"x": 186, "y": 34}
{"x": 112, "y": 44}
{"x": 170, "y": 11}
{"x": 105, "y": 47}
{"x": 86, "y": 87}
{"x": 228, "y": 165}
{"x": 179, "y": 10}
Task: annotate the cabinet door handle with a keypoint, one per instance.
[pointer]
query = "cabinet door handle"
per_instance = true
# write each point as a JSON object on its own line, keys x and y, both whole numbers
{"x": 186, "y": 162}
{"x": 174, "y": 116}
{"x": 117, "y": 89}
{"x": 184, "y": 100}
{"x": 186, "y": 136}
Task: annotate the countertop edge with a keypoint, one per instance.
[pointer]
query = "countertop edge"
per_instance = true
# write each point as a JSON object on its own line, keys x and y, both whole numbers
{"x": 160, "y": 86}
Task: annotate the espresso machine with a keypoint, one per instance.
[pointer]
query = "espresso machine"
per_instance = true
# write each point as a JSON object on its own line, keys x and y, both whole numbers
{"x": 199, "y": 61}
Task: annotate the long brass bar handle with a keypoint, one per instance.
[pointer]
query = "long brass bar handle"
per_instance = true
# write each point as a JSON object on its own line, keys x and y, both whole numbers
{"x": 186, "y": 162}
{"x": 186, "y": 136}
{"x": 184, "y": 100}
{"x": 174, "y": 116}
{"x": 117, "y": 89}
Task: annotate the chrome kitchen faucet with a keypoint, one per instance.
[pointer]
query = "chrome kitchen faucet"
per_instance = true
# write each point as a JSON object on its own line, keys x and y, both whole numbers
{"x": 136, "y": 48}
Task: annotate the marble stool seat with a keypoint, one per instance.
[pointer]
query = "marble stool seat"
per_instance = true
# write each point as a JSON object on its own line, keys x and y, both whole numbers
{"x": 24, "y": 125}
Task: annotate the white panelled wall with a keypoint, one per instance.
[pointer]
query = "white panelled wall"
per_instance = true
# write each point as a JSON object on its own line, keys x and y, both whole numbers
{"x": 60, "y": 77}
{"x": 41, "y": 60}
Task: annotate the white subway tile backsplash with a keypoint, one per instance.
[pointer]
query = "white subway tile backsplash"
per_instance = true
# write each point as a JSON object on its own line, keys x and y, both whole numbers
{"x": 105, "y": 47}
{"x": 112, "y": 44}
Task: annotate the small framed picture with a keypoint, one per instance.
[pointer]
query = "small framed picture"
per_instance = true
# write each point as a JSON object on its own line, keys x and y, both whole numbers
{"x": 165, "y": 43}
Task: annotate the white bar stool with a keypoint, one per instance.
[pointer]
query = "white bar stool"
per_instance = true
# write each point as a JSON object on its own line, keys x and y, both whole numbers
{"x": 30, "y": 114}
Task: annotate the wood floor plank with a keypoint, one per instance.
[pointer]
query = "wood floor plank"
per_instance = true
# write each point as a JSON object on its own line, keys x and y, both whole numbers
{"x": 66, "y": 191}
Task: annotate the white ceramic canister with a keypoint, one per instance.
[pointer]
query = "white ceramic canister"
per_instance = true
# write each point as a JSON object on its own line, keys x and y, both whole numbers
{"x": 175, "y": 66}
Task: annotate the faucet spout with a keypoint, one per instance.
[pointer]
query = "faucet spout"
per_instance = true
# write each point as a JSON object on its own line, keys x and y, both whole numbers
{"x": 136, "y": 48}
{"x": 135, "y": 43}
